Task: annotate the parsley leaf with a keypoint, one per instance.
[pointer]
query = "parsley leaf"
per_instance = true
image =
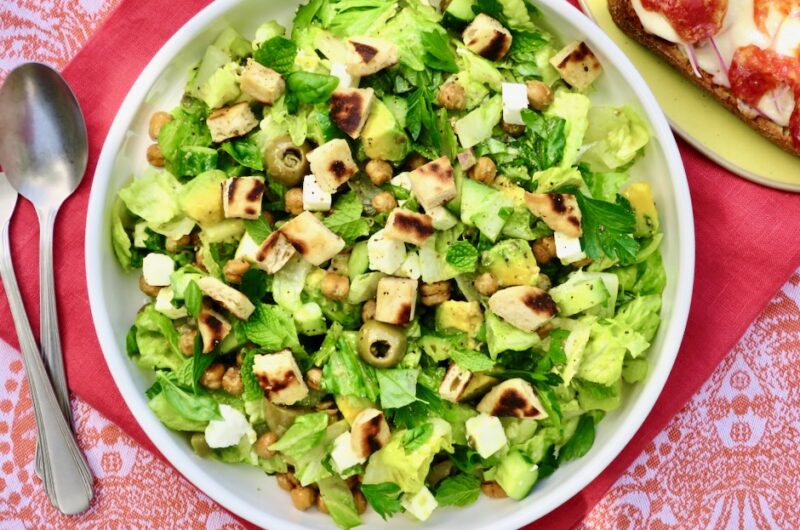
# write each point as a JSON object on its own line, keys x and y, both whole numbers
{"x": 459, "y": 490}
{"x": 398, "y": 387}
{"x": 414, "y": 438}
{"x": 277, "y": 53}
{"x": 580, "y": 442}
{"x": 384, "y": 498}
{"x": 346, "y": 219}
{"x": 310, "y": 88}
{"x": 462, "y": 256}
{"x": 438, "y": 54}
{"x": 471, "y": 360}
{"x": 608, "y": 229}
{"x": 193, "y": 297}
{"x": 542, "y": 146}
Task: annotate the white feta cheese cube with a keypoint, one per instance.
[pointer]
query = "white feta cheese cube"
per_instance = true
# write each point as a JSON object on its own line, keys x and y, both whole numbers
{"x": 421, "y": 504}
{"x": 157, "y": 268}
{"x": 411, "y": 267}
{"x": 164, "y": 304}
{"x": 385, "y": 255}
{"x": 402, "y": 180}
{"x": 315, "y": 199}
{"x": 568, "y": 249}
{"x": 442, "y": 218}
{"x": 247, "y": 248}
{"x": 230, "y": 429}
{"x": 280, "y": 376}
{"x": 486, "y": 435}
{"x": 515, "y": 99}
{"x": 343, "y": 455}
{"x": 346, "y": 80}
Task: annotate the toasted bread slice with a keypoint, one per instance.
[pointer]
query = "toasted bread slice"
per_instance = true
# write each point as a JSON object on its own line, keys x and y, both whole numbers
{"x": 625, "y": 17}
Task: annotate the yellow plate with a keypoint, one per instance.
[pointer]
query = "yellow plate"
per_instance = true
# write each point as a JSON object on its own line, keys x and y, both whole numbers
{"x": 700, "y": 120}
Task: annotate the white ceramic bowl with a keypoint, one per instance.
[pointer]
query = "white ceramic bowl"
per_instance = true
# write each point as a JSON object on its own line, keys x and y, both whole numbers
{"x": 250, "y": 493}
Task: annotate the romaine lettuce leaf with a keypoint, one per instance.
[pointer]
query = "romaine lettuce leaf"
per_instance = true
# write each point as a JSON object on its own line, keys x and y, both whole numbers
{"x": 153, "y": 197}
{"x": 574, "y": 109}
{"x": 157, "y": 340}
{"x": 615, "y": 135}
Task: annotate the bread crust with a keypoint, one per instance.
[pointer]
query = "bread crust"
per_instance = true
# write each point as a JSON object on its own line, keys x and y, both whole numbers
{"x": 625, "y": 17}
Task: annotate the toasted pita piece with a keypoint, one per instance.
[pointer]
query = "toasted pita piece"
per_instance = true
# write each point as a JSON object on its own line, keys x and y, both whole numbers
{"x": 514, "y": 398}
{"x": 559, "y": 211}
{"x": 368, "y": 55}
{"x": 280, "y": 376}
{"x": 241, "y": 197}
{"x": 409, "y": 227}
{"x": 396, "y": 300}
{"x": 227, "y": 296}
{"x": 433, "y": 184}
{"x": 273, "y": 253}
{"x": 263, "y": 84}
{"x": 230, "y": 122}
{"x": 577, "y": 65}
{"x": 312, "y": 239}
{"x": 454, "y": 383}
{"x": 350, "y": 109}
{"x": 487, "y": 37}
{"x": 332, "y": 164}
{"x": 369, "y": 432}
{"x": 523, "y": 306}
{"x": 213, "y": 328}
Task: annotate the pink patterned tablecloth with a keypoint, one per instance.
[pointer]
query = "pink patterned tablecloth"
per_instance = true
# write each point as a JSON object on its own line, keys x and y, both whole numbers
{"x": 729, "y": 459}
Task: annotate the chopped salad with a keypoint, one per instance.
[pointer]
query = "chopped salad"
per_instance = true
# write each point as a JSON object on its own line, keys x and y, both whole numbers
{"x": 393, "y": 255}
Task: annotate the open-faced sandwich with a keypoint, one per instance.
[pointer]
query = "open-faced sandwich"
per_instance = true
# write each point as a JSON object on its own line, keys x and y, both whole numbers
{"x": 746, "y": 53}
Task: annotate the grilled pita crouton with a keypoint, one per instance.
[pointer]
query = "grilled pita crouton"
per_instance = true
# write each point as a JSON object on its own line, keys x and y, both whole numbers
{"x": 241, "y": 197}
{"x": 396, "y": 300}
{"x": 369, "y": 432}
{"x": 230, "y": 122}
{"x": 409, "y": 227}
{"x": 227, "y": 296}
{"x": 487, "y": 37}
{"x": 213, "y": 328}
{"x": 513, "y": 398}
{"x": 350, "y": 109}
{"x": 332, "y": 164}
{"x": 577, "y": 65}
{"x": 279, "y": 375}
{"x": 312, "y": 239}
{"x": 433, "y": 184}
{"x": 559, "y": 211}
{"x": 263, "y": 84}
{"x": 523, "y": 306}
{"x": 368, "y": 55}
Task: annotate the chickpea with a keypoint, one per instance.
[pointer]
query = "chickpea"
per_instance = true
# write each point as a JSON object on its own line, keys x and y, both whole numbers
{"x": 262, "y": 445}
{"x": 486, "y": 284}
{"x": 379, "y": 172}
{"x": 286, "y": 481}
{"x": 314, "y": 379}
{"x": 240, "y": 358}
{"x": 321, "y": 505}
{"x": 154, "y": 156}
{"x": 235, "y": 269}
{"x": 158, "y": 120}
{"x": 174, "y": 245}
{"x": 335, "y": 286}
{"x": 361, "y": 502}
{"x": 544, "y": 330}
{"x": 303, "y": 498}
{"x": 452, "y": 96}
{"x": 146, "y": 288}
{"x": 368, "y": 310}
{"x": 492, "y": 489}
{"x": 416, "y": 160}
{"x": 186, "y": 342}
{"x": 212, "y": 377}
{"x": 384, "y": 202}
{"x": 539, "y": 94}
{"x": 200, "y": 260}
{"x": 353, "y": 482}
{"x": 544, "y": 249}
{"x": 435, "y": 293}
{"x": 513, "y": 129}
{"x": 232, "y": 381}
{"x": 294, "y": 201}
{"x": 484, "y": 170}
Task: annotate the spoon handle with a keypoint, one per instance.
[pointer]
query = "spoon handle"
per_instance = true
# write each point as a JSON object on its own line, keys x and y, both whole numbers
{"x": 51, "y": 341}
{"x": 67, "y": 480}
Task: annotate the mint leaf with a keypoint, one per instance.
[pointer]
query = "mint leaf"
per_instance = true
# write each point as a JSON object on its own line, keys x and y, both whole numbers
{"x": 310, "y": 88}
{"x": 254, "y": 284}
{"x": 245, "y": 152}
{"x": 272, "y": 328}
{"x": 193, "y": 297}
{"x": 277, "y": 53}
{"x": 580, "y": 442}
{"x": 306, "y": 432}
{"x": 257, "y": 229}
{"x": 459, "y": 490}
{"x": 252, "y": 389}
{"x": 471, "y": 360}
{"x": 462, "y": 256}
{"x": 200, "y": 361}
{"x": 384, "y": 498}
{"x": 398, "y": 387}
{"x": 346, "y": 220}
{"x": 414, "y": 438}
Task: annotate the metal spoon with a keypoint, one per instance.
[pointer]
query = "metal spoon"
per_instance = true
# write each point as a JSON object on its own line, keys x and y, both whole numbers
{"x": 44, "y": 151}
{"x": 67, "y": 480}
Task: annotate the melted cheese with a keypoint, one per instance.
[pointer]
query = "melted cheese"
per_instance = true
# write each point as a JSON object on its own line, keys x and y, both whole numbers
{"x": 656, "y": 23}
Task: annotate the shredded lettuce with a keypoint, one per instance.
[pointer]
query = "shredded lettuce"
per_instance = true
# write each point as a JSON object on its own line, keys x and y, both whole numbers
{"x": 615, "y": 137}
{"x": 153, "y": 197}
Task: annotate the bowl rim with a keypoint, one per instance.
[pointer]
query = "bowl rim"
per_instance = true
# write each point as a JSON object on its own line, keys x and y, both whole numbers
{"x": 561, "y": 492}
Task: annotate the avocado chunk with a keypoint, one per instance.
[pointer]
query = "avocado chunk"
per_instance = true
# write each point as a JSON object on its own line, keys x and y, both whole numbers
{"x": 363, "y": 287}
{"x": 574, "y": 297}
{"x": 517, "y": 474}
{"x": 382, "y": 136}
{"x": 640, "y": 195}
{"x": 458, "y": 315}
{"x": 201, "y": 197}
{"x": 351, "y": 406}
{"x": 221, "y": 87}
{"x": 310, "y": 320}
{"x": 226, "y": 231}
{"x": 511, "y": 261}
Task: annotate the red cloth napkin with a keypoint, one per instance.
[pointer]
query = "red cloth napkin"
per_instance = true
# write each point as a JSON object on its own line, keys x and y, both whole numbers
{"x": 746, "y": 247}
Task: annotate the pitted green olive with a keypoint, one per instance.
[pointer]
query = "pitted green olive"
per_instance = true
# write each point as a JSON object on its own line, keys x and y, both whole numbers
{"x": 286, "y": 162}
{"x": 381, "y": 345}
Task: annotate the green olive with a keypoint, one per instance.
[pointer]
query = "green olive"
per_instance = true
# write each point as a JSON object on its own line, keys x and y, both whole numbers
{"x": 286, "y": 162}
{"x": 381, "y": 345}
